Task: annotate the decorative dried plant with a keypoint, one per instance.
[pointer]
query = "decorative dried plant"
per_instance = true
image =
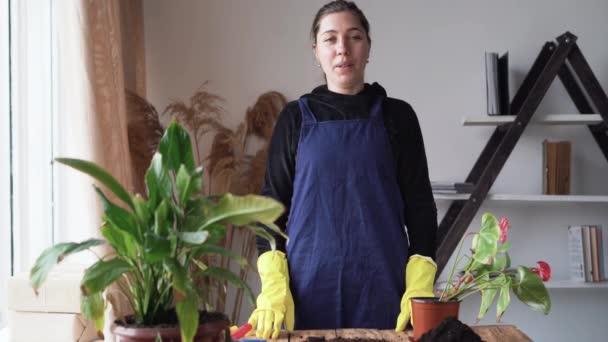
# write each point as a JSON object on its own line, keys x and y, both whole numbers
{"x": 144, "y": 131}
{"x": 232, "y": 170}
{"x": 200, "y": 115}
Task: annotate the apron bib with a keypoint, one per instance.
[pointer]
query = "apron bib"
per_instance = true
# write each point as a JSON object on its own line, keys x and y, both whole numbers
{"x": 347, "y": 247}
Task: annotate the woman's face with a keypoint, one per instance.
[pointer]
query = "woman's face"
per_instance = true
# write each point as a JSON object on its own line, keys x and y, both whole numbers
{"x": 342, "y": 50}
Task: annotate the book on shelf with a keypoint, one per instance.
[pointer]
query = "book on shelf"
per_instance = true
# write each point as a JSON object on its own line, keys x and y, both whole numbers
{"x": 576, "y": 253}
{"x": 595, "y": 260}
{"x": 587, "y": 253}
{"x": 497, "y": 83}
{"x": 603, "y": 253}
{"x": 452, "y": 187}
{"x": 557, "y": 156}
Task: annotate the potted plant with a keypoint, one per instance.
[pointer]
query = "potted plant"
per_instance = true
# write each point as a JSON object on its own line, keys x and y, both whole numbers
{"x": 160, "y": 244}
{"x": 487, "y": 271}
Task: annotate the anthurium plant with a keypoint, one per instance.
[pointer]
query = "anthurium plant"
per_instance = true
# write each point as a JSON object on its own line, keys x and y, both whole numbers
{"x": 159, "y": 241}
{"x": 488, "y": 271}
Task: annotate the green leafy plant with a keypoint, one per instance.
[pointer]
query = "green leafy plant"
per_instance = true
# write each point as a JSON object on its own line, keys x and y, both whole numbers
{"x": 488, "y": 271}
{"x": 160, "y": 241}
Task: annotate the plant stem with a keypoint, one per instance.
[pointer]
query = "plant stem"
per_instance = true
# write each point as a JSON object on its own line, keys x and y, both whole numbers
{"x": 449, "y": 282}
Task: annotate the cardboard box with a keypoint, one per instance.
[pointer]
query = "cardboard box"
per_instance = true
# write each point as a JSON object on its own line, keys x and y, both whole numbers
{"x": 60, "y": 293}
{"x": 50, "y": 327}
{"x": 53, "y": 314}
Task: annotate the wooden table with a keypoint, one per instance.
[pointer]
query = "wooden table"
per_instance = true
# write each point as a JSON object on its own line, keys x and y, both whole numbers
{"x": 488, "y": 333}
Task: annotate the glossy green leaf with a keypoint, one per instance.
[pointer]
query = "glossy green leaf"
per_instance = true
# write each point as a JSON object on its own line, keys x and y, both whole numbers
{"x": 224, "y": 274}
{"x": 156, "y": 248}
{"x": 182, "y": 182}
{"x": 120, "y": 218}
{"x": 187, "y": 314}
{"x": 504, "y": 299}
{"x": 158, "y": 182}
{"x": 122, "y": 242}
{"x": 101, "y": 175}
{"x": 142, "y": 213}
{"x": 216, "y": 234}
{"x": 193, "y": 238}
{"x": 263, "y": 233}
{"x": 532, "y": 291}
{"x": 55, "y": 254}
{"x": 194, "y": 215}
{"x": 161, "y": 224}
{"x": 92, "y": 307}
{"x": 176, "y": 148}
{"x": 219, "y": 250}
{"x": 487, "y": 297}
{"x": 501, "y": 262}
{"x": 179, "y": 279}
{"x": 504, "y": 247}
{"x": 103, "y": 273}
{"x": 244, "y": 210}
{"x": 487, "y": 239}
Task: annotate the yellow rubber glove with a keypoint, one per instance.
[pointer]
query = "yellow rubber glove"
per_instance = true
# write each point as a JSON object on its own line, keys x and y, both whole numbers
{"x": 419, "y": 278}
{"x": 275, "y": 302}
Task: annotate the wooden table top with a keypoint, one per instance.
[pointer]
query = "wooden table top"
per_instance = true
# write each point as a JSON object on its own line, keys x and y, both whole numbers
{"x": 488, "y": 333}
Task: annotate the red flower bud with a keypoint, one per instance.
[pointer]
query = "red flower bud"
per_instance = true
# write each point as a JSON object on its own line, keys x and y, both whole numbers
{"x": 504, "y": 227}
{"x": 544, "y": 272}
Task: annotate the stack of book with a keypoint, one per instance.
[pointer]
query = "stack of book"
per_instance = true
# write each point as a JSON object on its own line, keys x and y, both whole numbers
{"x": 556, "y": 167}
{"x": 588, "y": 253}
{"x": 452, "y": 187}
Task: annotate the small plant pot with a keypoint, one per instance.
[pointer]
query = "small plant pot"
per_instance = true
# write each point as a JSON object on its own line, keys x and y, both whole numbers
{"x": 212, "y": 331}
{"x": 428, "y": 312}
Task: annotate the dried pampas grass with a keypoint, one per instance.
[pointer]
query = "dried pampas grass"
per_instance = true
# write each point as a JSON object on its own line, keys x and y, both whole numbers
{"x": 144, "y": 132}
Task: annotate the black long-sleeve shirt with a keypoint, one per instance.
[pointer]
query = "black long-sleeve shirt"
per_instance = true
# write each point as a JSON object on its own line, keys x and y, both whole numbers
{"x": 408, "y": 149}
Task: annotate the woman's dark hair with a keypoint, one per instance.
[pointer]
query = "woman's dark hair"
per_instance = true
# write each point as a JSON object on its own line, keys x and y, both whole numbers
{"x": 336, "y": 7}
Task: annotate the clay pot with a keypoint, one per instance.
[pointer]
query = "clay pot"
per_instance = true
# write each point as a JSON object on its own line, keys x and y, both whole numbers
{"x": 428, "y": 312}
{"x": 207, "y": 332}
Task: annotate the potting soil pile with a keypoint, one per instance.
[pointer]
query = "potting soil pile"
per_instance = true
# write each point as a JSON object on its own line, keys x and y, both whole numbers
{"x": 451, "y": 330}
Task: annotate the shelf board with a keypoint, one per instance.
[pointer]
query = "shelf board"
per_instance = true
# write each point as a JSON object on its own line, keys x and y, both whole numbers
{"x": 550, "y": 119}
{"x": 570, "y": 284}
{"x": 528, "y": 198}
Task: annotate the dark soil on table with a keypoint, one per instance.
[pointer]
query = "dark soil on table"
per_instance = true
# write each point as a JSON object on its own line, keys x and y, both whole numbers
{"x": 451, "y": 330}
{"x": 341, "y": 339}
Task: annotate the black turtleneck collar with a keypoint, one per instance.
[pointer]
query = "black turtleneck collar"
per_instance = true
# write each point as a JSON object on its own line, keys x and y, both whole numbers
{"x": 325, "y": 104}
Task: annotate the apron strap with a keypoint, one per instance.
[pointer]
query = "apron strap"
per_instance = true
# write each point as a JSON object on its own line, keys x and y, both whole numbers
{"x": 377, "y": 108}
{"x": 307, "y": 116}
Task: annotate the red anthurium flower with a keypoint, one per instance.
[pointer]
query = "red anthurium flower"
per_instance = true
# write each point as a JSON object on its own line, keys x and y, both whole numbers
{"x": 504, "y": 227}
{"x": 544, "y": 271}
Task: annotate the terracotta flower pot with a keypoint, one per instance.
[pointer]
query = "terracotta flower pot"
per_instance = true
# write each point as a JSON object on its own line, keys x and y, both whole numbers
{"x": 428, "y": 312}
{"x": 207, "y": 332}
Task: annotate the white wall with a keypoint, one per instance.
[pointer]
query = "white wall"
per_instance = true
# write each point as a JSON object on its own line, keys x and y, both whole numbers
{"x": 431, "y": 55}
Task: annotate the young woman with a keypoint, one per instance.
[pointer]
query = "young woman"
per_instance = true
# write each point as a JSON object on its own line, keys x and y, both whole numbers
{"x": 349, "y": 164}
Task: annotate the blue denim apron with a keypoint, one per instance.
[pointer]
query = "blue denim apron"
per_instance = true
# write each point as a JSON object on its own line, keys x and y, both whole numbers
{"x": 347, "y": 247}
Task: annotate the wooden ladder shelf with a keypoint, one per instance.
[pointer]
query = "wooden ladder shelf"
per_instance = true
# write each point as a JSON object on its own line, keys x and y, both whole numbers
{"x": 564, "y": 60}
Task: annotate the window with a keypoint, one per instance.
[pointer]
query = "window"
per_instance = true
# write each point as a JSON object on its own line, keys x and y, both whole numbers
{"x": 26, "y": 116}
{"x": 5, "y": 165}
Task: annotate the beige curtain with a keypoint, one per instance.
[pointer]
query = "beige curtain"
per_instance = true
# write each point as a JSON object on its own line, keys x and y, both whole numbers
{"x": 115, "y": 62}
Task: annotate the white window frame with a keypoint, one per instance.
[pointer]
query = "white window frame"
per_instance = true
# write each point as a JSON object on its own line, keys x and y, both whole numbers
{"x": 5, "y": 162}
{"x": 32, "y": 130}
{"x": 26, "y": 133}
